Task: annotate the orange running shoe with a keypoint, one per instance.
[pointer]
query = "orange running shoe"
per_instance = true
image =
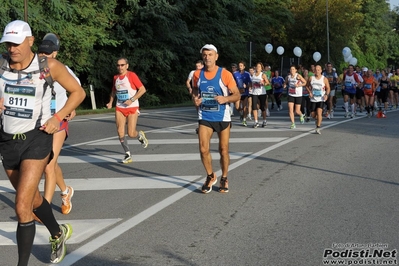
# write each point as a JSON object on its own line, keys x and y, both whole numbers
{"x": 66, "y": 206}
{"x": 224, "y": 185}
{"x": 210, "y": 181}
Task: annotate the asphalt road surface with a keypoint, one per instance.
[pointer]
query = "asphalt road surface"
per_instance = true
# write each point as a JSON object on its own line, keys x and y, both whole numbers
{"x": 296, "y": 198}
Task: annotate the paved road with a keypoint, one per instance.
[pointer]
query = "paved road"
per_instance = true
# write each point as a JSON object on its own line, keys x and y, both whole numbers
{"x": 294, "y": 195}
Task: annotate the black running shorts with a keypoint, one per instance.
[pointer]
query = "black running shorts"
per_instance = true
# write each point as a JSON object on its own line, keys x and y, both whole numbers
{"x": 34, "y": 144}
{"x": 216, "y": 126}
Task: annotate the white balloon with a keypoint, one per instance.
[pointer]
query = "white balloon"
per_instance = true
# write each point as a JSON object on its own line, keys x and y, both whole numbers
{"x": 346, "y": 51}
{"x": 348, "y": 58}
{"x": 316, "y": 56}
{"x": 353, "y": 61}
{"x": 280, "y": 50}
{"x": 297, "y": 51}
{"x": 268, "y": 48}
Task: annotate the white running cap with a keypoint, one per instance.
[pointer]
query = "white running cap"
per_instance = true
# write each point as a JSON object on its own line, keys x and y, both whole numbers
{"x": 209, "y": 47}
{"x": 16, "y": 32}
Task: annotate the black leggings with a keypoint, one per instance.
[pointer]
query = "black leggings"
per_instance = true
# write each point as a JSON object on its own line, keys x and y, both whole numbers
{"x": 262, "y": 101}
{"x": 277, "y": 96}
{"x": 305, "y": 104}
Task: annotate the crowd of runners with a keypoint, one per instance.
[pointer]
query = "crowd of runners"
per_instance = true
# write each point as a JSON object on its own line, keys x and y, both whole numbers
{"x": 311, "y": 96}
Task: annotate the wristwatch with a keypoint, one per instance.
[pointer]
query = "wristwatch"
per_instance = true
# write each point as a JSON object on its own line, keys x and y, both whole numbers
{"x": 132, "y": 99}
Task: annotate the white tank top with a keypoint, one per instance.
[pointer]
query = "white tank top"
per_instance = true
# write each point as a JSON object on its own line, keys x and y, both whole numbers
{"x": 27, "y": 103}
{"x": 293, "y": 90}
{"x": 257, "y": 88}
{"x": 318, "y": 89}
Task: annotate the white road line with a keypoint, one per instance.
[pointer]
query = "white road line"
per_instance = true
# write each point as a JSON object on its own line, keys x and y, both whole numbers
{"x": 117, "y": 183}
{"x": 191, "y": 141}
{"x": 145, "y": 157}
{"x": 82, "y": 230}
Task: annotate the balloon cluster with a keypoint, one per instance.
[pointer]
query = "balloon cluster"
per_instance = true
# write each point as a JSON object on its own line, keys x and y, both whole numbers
{"x": 269, "y": 49}
{"x": 297, "y": 51}
{"x": 348, "y": 57}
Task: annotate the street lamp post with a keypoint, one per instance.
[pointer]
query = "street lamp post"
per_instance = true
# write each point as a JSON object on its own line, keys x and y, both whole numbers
{"x": 328, "y": 34}
{"x": 26, "y": 10}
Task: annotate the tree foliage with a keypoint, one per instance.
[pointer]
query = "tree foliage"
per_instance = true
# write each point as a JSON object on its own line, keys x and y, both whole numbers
{"x": 162, "y": 38}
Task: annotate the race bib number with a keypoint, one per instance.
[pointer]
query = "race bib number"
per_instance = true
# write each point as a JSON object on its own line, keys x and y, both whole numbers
{"x": 317, "y": 93}
{"x": 367, "y": 86}
{"x": 348, "y": 85}
{"x": 19, "y": 101}
{"x": 384, "y": 85}
{"x": 256, "y": 85}
{"x": 292, "y": 90}
{"x": 122, "y": 96}
{"x": 208, "y": 101}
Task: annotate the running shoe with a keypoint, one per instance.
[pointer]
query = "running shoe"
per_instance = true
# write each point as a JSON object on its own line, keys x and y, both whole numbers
{"x": 328, "y": 116}
{"x": 332, "y": 114}
{"x": 224, "y": 185}
{"x": 264, "y": 123}
{"x": 281, "y": 107}
{"x": 210, "y": 181}
{"x": 272, "y": 106}
{"x": 66, "y": 205}
{"x": 302, "y": 119}
{"x": 244, "y": 123}
{"x": 292, "y": 126}
{"x": 317, "y": 131}
{"x": 127, "y": 159}
{"x": 256, "y": 125}
{"x": 58, "y": 246}
{"x": 249, "y": 117}
{"x": 353, "y": 115}
{"x": 143, "y": 140}
{"x": 307, "y": 119}
{"x": 346, "y": 114}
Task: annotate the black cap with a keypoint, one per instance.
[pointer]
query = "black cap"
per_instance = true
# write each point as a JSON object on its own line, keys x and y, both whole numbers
{"x": 50, "y": 43}
{"x": 47, "y": 47}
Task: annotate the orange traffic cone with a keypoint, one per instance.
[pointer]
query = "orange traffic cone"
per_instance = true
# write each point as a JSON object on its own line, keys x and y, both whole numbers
{"x": 380, "y": 114}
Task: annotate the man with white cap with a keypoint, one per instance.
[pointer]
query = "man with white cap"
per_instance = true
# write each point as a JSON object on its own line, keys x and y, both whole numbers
{"x": 216, "y": 89}
{"x": 26, "y": 134}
